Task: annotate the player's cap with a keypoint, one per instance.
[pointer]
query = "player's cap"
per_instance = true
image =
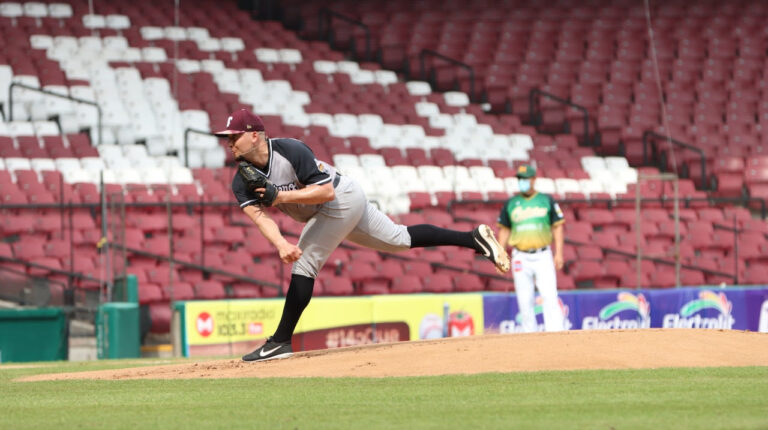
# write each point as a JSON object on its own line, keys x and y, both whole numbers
{"x": 241, "y": 121}
{"x": 526, "y": 171}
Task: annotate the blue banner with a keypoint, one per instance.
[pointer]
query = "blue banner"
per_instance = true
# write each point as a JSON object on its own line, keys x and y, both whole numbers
{"x": 715, "y": 308}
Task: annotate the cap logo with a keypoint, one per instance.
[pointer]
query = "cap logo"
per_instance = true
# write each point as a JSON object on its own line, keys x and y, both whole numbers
{"x": 248, "y": 126}
{"x": 522, "y": 169}
{"x": 229, "y": 121}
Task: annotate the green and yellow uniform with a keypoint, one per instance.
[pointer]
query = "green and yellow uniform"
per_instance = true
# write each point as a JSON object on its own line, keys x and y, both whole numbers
{"x": 530, "y": 220}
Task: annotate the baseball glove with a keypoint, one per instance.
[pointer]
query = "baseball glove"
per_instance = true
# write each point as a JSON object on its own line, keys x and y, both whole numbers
{"x": 253, "y": 180}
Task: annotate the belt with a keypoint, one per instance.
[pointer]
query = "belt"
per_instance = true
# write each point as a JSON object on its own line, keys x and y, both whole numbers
{"x": 533, "y": 250}
{"x": 336, "y": 180}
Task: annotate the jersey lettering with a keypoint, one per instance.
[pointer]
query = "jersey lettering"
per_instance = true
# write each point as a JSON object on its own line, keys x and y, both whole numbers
{"x": 520, "y": 214}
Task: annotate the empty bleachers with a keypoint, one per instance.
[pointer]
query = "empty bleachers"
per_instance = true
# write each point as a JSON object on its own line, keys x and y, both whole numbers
{"x": 414, "y": 149}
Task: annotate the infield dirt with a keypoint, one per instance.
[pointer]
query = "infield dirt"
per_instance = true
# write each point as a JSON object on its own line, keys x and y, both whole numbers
{"x": 571, "y": 350}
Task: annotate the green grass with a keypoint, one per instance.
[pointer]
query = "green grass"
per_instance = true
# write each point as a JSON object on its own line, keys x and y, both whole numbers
{"x": 711, "y": 398}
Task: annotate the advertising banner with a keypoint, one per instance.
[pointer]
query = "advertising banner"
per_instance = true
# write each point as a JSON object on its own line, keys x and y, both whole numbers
{"x": 605, "y": 310}
{"x": 502, "y": 313}
{"x": 757, "y": 310}
{"x": 237, "y": 326}
{"x": 715, "y": 308}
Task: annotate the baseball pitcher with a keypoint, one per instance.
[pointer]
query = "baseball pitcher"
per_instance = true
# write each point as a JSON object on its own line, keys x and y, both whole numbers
{"x": 528, "y": 222}
{"x": 284, "y": 173}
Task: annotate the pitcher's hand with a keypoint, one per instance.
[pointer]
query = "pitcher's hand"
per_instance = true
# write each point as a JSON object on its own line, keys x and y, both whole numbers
{"x": 289, "y": 252}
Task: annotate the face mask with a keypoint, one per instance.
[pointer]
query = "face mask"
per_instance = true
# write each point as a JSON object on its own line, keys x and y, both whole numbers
{"x": 524, "y": 185}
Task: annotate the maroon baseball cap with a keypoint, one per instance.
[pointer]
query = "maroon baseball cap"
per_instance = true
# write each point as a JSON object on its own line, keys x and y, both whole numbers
{"x": 241, "y": 121}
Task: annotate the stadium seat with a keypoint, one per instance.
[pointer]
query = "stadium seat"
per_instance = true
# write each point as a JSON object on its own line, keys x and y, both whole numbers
{"x": 209, "y": 290}
{"x": 407, "y": 284}
{"x": 337, "y": 286}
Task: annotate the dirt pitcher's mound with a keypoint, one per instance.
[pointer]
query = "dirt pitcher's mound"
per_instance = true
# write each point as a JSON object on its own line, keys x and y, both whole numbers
{"x": 620, "y": 349}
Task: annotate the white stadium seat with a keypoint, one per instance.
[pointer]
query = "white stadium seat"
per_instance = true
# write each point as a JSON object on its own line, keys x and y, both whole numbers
{"x": 347, "y": 66}
{"x": 67, "y": 163}
{"x": 20, "y": 128}
{"x": 232, "y": 44}
{"x": 455, "y": 98}
{"x": 41, "y": 41}
{"x": 208, "y": 45}
{"x": 35, "y": 9}
{"x": 11, "y": 10}
{"x": 545, "y": 185}
{"x": 94, "y": 21}
{"x": 511, "y": 185}
{"x": 592, "y": 163}
{"x": 385, "y": 77}
{"x": 362, "y": 77}
{"x": 290, "y": 56}
{"x": 118, "y": 22}
{"x": 197, "y": 33}
{"x": 152, "y": 33}
{"x": 92, "y": 163}
{"x": 75, "y": 175}
{"x": 267, "y": 55}
{"x": 323, "y": 66}
{"x": 175, "y": 33}
{"x": 418, "y": 88}
{"x": 590, "y": 186}
{"x": 59, "y": 10}
{"x": 13, "y": 163}
{"x": 567, "y": 185}
{"x": 371, "y": 160}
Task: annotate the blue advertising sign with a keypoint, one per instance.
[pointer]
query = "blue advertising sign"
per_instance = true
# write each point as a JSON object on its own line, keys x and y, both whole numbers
{"x": 699, "y": 308}
{"x": 614, "y": 310}
{"x": 716, "y": 308}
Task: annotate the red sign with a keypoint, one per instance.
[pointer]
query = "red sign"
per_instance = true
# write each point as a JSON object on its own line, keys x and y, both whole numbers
{"x": 460, "y": 324}
{"x": 204, "y": 324}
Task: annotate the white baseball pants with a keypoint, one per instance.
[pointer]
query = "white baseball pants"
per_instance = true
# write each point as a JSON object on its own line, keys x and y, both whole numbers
{"x": 537, "y": 270}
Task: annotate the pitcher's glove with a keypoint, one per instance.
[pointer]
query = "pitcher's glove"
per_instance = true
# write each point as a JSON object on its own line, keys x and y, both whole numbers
{"x": 253, "y": 180}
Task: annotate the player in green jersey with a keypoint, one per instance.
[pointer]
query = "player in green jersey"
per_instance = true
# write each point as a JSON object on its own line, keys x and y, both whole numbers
{"x": 528, "y": 223}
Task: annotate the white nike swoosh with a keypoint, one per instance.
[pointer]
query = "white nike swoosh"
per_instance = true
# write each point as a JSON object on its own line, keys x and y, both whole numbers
{"x": 264, "y": 353}
{"x": 487, "y": 252}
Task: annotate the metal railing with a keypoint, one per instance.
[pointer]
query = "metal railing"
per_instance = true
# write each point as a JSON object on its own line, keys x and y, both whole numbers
{"x": 648, "y": 134}
{"x": 325, "y": 16}
{"x": 205, "y": 269}
{"x": 186, "y": 141}
{"x": 430, "y": 53}
{"x": 533, "y": 103}
{"x": 54, "y": 94}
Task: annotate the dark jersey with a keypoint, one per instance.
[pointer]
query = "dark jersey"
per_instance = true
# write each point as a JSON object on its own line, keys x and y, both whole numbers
{"x": 291, "y": 166}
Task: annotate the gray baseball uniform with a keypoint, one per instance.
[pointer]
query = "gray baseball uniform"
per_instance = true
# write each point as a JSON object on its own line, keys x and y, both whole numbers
{"x": 292, "y": 165}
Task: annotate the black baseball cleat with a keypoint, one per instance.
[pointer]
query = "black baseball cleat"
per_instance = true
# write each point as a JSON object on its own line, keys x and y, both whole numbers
{"x": 486, "y": 244}
{"x": 271, "y": 350}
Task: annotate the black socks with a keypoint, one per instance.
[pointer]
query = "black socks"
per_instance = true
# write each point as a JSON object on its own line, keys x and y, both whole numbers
{"x": 425, "y": 235}
{"x": 298, "y": 297}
